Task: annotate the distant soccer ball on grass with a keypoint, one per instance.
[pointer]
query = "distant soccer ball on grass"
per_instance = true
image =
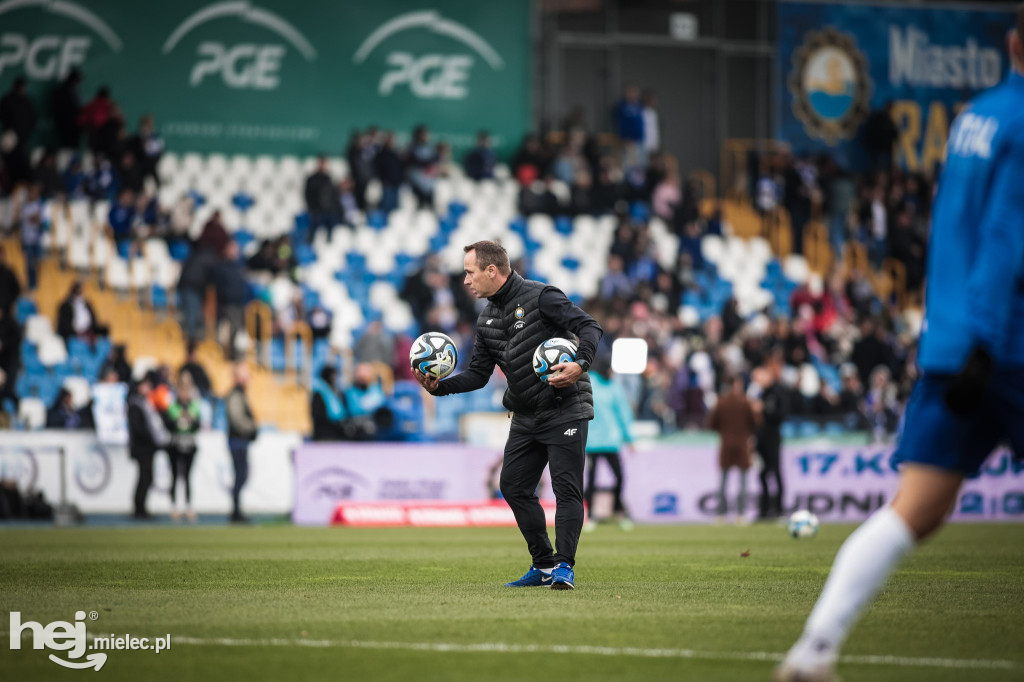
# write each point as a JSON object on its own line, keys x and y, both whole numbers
{"x": 434, "y": 354}
{"x": 803, "y": 524}
{"x": 550, "y": 353}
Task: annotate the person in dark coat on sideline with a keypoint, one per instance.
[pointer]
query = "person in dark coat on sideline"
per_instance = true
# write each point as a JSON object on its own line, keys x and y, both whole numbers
{"x": 146, "y": 436}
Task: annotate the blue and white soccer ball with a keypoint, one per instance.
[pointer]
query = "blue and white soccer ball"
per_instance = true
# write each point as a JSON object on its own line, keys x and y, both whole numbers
{"x": 550, "y": 353}
{"x": 803, "y": 524}
{"x": 434, "y": 354}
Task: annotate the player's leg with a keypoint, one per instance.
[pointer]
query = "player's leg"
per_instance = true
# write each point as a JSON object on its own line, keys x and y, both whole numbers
{"x": 566, "y": 445}
{"x": 938, "y": 450}
{"x": 521, "y": 469}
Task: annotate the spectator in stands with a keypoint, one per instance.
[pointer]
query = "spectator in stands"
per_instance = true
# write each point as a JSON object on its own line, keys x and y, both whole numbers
{"x": 652, "y": 126}
{"x": 538, "y": 197}
{"x": 102, "y": 183}
{"x": 214, "y": 236}
{"x": 629, "y": 117}
{"x": 422, "y": 159}
{"x": 62, "y": 414}
{"x": 195, "y": 370}
{"x": 129, "y": 173}
{"x": 47, "y": 176}
{"x": 609, "y": 434}
{"x": 375, "y": 345}
{"x": 117, "y": 364}
{"x": 871, "y": 350}
{"x": 360, "y": 155}
{"x": 34, "y": 222}
{"x": 319, "y": 320}
{"x": 799, "y": 188}
{"x": 146, "y": 435}
{"x": 10, "y": 286}
{"x": 480, "y": 160}
{"x": 771, "y": 405}
{"x": 242, "y": 431}
{"x": 366, "y": 401}
{"x": 183, "y": 420}
{"x": 734, "y": 420}
{"x": 196, "y": 275}
{"x": 321, "y": 200}
{"x": 907, "y": 245}
{"x": 10, "y": 355}
{"x": 390, "y": 172}
{"x": 122, "y": 219}
{"x": 111, "y": 138}
{"x": 581, "y": 195}
{"x": 65, "y": 108}
{"x": 18, "y": 121}
{"x": 76, "y": 317}
{"x": 880, "y": 407}
{"x": 615, "y": 282}
{"x": 232, "y": 294}
{"x": 74, "y": 180}
{"x": 95, "y": 114}
{"x": 147, "y": 147}
{"x": 840, "y": 190}
{"x": 326, "y": 407}
{"x": 531, "y": 161}
{"x": 181, "y": 218}
{"x": 880, "y": 136}
{"x": 432, "y": 289}
{"x": 667, "y": 197}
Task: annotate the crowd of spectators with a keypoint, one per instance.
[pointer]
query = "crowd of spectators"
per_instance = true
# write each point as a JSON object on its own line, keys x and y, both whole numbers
{"x": 836, "y": 320}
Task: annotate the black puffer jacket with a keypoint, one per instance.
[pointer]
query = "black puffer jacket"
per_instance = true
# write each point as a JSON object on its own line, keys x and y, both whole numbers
{"x": 508, "y": 332}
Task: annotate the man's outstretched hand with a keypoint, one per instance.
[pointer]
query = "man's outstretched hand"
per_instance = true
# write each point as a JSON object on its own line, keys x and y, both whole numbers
{"x": 565, "y": 374}
{"x": 427, "y": 382}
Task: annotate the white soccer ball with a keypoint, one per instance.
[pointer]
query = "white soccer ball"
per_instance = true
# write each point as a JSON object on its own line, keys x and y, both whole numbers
{"x": 434, "y": 354}
{"x": 550, "y": 353}
{"x": 803, "y": 524}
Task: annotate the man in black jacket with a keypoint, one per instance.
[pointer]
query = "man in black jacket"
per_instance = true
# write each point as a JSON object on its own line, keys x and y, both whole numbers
{"x": 146, "y": 435}
{"x": 550, "y": 420}
{"x": 771, "y": 405}
{"x": 242, "y": 431}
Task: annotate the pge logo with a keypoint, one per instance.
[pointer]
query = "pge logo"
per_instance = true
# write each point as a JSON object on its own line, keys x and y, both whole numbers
{"x": 433, "y": 75}
{"x": 830, "y": 85}
{"x": 50, "y": 56}
{"x": 248, "y": 66}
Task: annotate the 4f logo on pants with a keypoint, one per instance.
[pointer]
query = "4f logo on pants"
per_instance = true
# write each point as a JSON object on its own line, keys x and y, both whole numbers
{"x": 570, "y": 432}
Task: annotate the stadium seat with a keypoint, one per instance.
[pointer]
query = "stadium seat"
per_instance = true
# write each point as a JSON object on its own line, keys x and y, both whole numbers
{"x": 32, "y": 413}
{"x": 37, "y": 328}
{"x": 52, "y": 351}
{"x": 25, "y": 308}
{"x": 80, "y": 390}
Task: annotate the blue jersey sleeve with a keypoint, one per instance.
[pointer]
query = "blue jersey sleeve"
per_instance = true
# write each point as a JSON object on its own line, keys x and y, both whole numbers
{"x": 996, "y": 271}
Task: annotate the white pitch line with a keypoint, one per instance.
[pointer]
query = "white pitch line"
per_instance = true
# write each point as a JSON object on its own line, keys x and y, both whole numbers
{"x": 500, "y": 647}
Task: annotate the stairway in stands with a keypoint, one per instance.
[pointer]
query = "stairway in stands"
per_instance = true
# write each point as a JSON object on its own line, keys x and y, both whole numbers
{"x": 146, "y": 333}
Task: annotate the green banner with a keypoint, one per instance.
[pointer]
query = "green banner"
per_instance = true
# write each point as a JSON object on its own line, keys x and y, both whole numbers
{"x": 282, "y": 77}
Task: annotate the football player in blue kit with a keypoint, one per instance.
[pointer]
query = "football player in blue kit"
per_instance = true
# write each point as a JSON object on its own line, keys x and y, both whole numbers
{"x": 971, "y": 394}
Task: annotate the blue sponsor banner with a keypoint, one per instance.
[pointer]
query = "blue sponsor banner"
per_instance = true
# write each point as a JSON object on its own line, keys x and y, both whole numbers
{"x": 839, "y": 62}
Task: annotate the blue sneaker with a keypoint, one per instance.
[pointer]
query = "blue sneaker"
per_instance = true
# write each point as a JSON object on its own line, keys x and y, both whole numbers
{"x": 562, "y": 577}
{"x": 533, "y": 578}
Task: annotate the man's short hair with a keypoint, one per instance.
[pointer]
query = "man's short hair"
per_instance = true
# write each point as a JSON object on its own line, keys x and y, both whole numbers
{"x": 490, "y": 253}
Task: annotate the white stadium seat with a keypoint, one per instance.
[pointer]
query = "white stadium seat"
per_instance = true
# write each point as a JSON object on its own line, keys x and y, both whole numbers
{"x": 37, "y": 328}
{"x": 32, "y": 412}
{"x": 79, "y": 387}
{"x": 52, "y": 351}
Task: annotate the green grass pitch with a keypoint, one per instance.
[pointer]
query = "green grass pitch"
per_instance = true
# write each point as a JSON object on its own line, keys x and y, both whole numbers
{"x": 657, "y": 603}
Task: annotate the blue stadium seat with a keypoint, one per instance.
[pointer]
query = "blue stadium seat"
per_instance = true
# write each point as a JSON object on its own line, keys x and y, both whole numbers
{"x": 563, "y": 225}
{"x": 457, "y": 209}
{"x": 304, "y": 254}
{"x": 180, "y": 249}
{"x": 244, "y": 238}
{"x": 243, "y": 201}
{"x": 518, "y": 226}
{"x": 30, "y": 357}
{"x": 124, "y": 249}
{"x": 24, "y": 309}
{"x": 571, "y": 264}
{"x": 639, "y": 211}
{"x": 378, "y": 220}
{"x": 159, "y": 296}
{"x": 197, "y": 199}
{"x": 277, "y": 355}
